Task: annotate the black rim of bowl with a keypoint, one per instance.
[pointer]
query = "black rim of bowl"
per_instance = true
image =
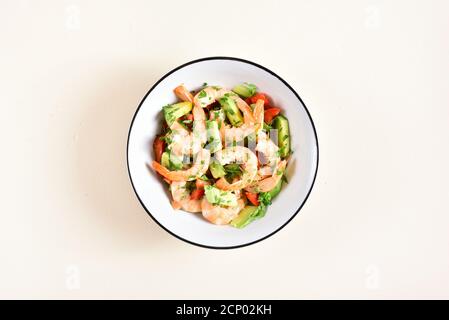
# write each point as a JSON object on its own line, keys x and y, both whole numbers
{"x": 288, "y": 86}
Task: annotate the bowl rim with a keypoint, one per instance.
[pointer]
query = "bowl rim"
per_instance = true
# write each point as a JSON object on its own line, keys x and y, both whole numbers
{"x": 258, "y": 66}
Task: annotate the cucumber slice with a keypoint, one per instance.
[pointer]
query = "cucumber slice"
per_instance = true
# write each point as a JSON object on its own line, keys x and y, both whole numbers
{"x": 232, "y": 112}
{"x": 217, "y": 170}
{"x": 281, "y": 124}
{"x": 245, "y": 90}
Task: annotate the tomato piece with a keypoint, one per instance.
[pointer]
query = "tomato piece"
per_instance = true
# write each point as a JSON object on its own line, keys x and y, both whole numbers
{"x": 253, "y": 198}
{"x": 200, "y": 183}
{"x": 158, "y": 148}
{"x": 189, "y": 117}
{"x": 270, "y": 113}
{"x": 197, "y": 194}
{"x": 262, "y": 96}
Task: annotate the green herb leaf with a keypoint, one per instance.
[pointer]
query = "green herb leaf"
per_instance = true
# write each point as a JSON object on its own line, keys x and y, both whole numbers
{"x": 233, "y": 171}
{"x": 202, "y": 94}
{"x": 267, "y": 127}
{"x": 265, "y": 198}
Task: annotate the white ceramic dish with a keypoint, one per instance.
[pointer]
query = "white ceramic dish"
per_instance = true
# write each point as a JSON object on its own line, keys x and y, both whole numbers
{"x": 153, "y": 194}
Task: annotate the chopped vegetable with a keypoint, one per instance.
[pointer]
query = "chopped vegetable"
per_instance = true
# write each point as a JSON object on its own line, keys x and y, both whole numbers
{"x": 175, "y": 162}
{"x": 165, "y": 160}
{"x": 175, "y": 111}
{"x": 218, "y": 115}
{"x": 248, "y": 215}
{"x": 265, "y": 198}
{"x": 253, "y": 198}
{"x": 267, "y": 127}
{"x": 158, "y": 147}
{"x": 233, "y": 170}
{"x": 197, "y": 194}
{"x": 245, "y": 89}
{"x": 200, "y": 183}
{"x": 232, "y": 112}
{"x": 217, "y": 170}
{"x": 275, "y": 191}
{"x": 270, "y": 113}
{"x": 261, "y": 96}
{"x": 281, "y": 124}
{"x": 213, "y": 136}
{"x": 220, "y": 197}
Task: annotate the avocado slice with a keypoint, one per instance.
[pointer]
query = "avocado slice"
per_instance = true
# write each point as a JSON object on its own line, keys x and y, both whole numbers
{"x": 220, "y": 197}
{"x": 165, "y": 160}
{"x": 248, "y": 215}
{"x": 231, "y": 110}
{"x": 281, "y": 124}
{"x": 217, "y": 170}
{"x": 245, "y": 90}
{"x": 175, "y": 111}
{"x": 213, "y": 136}
{"x": 275, "y": 191}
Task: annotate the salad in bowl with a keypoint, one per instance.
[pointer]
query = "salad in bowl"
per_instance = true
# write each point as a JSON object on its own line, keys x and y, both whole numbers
{"x": 222, "y": 164}
{"x": 222, "y": 152}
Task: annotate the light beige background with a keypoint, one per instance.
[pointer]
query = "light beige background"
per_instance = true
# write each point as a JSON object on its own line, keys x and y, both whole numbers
{"x": 374, "y": 74}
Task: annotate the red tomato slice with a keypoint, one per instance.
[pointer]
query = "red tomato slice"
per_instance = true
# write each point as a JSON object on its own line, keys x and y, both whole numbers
{"x": 270, "y": 113}
{"x": 197, "y": 194}
{"x": 200, "y": 183}
{"x": 253, "y": 198}
{"x": 262, "y": 96}
{"x": 158, "y": 147}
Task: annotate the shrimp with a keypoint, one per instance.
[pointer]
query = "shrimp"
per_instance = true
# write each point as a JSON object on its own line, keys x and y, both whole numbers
{"x": 183, "y": 94}
{"x": 250, "y": 125}
{"x": 199, "y": 168}
{"x": 240, "y": 155}
{"x": 209, "y": 95}
{"x": 252, "y": 121}
{"x": 221, "y": 215}
{"x": 258, "y": 114}
{"x": 269, "y": 150}
{"x": 199, "y": 127}
{"x": 181, "y": 198}
{"x": 183, "y": 141}
{"x": 269, "y": 183}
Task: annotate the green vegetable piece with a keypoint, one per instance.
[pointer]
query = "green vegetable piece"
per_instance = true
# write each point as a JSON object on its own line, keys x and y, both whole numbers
{"x": 218, "y": 115}
{"x": 175, "y": 162}
{"x": 232, "y": 111}
{"x": 233, "y": 170}
{"x": 213, "y": 136}
{"x": 265, "y": 198}
{"x": 275, "y": 191}
{"x": 218, "y": 197}
{"x": 217, "y": 170}
{"x": 248, "y": 215}
{"x": 281, "y": 124}
{"x": 245, "y": 90}
{"x": 165, "y": 160}
{"x": 176, "y": 111}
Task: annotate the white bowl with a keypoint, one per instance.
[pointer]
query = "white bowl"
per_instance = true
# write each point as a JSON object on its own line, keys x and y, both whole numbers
{"x": 152, "y": 192}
